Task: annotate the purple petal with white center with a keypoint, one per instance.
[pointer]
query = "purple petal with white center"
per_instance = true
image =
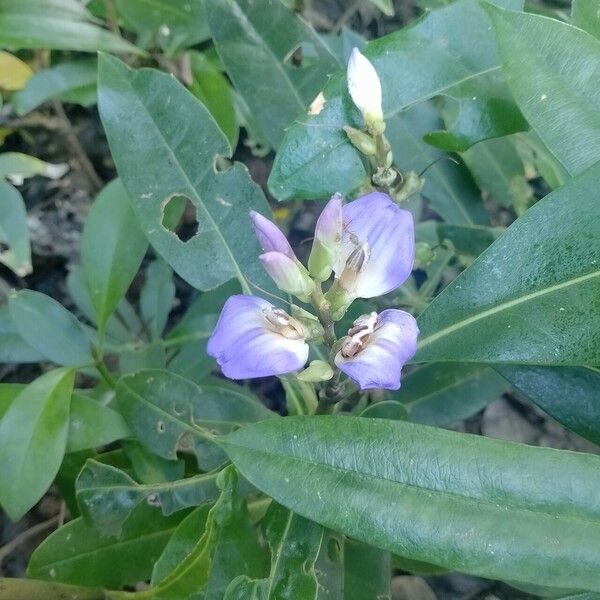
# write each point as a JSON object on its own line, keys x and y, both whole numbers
{"x": 270, "y": 237}
{"x": 246, "y": 347}
{"x": 328, "y": 229}
{"x": 393, "y": 343}
{"x": 389, "y": 232}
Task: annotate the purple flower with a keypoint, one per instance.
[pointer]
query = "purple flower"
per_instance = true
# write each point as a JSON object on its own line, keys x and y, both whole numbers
{"x": 376, "y": 348}
{"x": 254, "y": 339}
{"x": 279, "y": 259}
{"x": 378, "y": 247}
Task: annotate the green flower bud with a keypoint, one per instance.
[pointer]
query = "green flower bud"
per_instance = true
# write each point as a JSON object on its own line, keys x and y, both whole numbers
{"x": 317, "y": 370}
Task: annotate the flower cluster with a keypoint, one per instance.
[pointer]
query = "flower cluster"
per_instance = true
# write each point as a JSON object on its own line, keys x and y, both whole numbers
{"x": 368, "y": 245}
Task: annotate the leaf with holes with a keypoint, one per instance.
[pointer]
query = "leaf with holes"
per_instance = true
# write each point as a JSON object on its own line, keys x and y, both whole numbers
{"x": 532, "y": 296}
{"x": 176, "y": 142}
{"x": 169, "y": 413}
{"x": 276, "y": 61}
{"x": 445, "y": 48}
{"x": 552, "y": 69}
{"x": 107, "y": 495}
{"x": 433, "y": 495}
{"x": 33, "y": 438}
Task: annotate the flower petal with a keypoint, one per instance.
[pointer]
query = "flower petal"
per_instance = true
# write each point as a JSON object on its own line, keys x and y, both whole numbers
{"x": 270, "y": 237}
{"x": 287, "y": 274}
{"x": 392, "y": 344}
{"x": 245, "y": 347}
{"x": 389, "y": 233}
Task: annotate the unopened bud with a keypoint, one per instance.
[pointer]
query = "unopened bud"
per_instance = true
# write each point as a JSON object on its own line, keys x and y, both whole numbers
{"x": 289, "y": 275}
{"x": 384, "y": 177}
{"x": 365, "y": 89}
{"x": 328, "y": 235}
{"x": 412, "y": 184}
{"x": 317, "y": 370}
{"x": 361, "y": 140}
{"x": 310, "y": 323}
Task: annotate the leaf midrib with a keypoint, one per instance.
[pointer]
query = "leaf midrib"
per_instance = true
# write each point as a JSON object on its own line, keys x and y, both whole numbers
{"x": 501, "y": 307}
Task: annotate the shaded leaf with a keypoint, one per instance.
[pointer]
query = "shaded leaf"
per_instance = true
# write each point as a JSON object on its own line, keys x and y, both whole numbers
{"x": 157, "y": 297}
{"x": 14, "y": 234}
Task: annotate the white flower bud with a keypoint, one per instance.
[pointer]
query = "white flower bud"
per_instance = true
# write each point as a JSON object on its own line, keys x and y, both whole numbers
{"x": 365, "y": 89}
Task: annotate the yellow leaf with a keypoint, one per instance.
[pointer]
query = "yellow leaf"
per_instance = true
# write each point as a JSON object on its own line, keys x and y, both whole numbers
{"x": 14, "y": 73}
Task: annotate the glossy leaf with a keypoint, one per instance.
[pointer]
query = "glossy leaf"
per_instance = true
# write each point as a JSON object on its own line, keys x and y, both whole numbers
{"x": 531, "y": 297}
{"x": 551, "y": 68}
{"x": 77, "y": 553}
{"x": 92, "y": 424}
{"x": 107, "y": 495}
{"x": 57, "y": 25}
{"x": 50, "y": 328}
{"x": 157, "y": 297}
{"x": 14, "y": 234}
{"x": 211, "y": 87}
{"x": 112, "y": 249}
{"x": 585, "y": 15}
{"x": 446, "y": 393}
{"x": 33, "y": 437}
{"x": 66, "y": 80}
{"x": 276, "y": 61}
{"x": 569, "y": 394}
{"x": 294, "y": 543}
{"x": 169, "y": 413}
{"x": 441, "y": 50}
{"x": 383, "y": 483}
{"x": 175, "y": 156}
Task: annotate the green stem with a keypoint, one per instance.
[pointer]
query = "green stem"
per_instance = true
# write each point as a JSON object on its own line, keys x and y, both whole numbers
{"x": 103, "y": 370}
{"x": 30, "y": 589}
{"x": 322, "y": 307}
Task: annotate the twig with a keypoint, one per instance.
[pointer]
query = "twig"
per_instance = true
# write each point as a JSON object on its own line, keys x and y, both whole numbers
{"x": 11, "y": 546}
{"x": 84, "y": 161}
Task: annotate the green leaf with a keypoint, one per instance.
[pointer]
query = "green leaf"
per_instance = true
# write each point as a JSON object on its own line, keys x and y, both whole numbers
{"x": 112, "y": 249}
{"x": 276, "y": 61}
{"x": 367, "y": 572}
{"x": 468, "y": 240}
{"x": 585, "y": 15}
{"x": 92, "y": 424}
{"x": 383, "y": 483}
{"x": 14, "y": 234}
{"x": 77, "y": 553}
{"x": 65, "y": 80}
{"x": 294, "y": 543}
{"x": 569, "y": 394}
{"x": 169, "y": 413}
{"x": 475, "y": 110}
{"x": 208, "y": 562}
{"x": 33, "y": 437}
{"x": 211, "y": 87}
{"x": 107, "y": 495}
{"x": 445, "y": 48}
{"x": 385, "y": 6}
{"x": 300, "y": 396}
{"x": 445, "y": 393}
{"x": 50, "y": 328}
{"x": 552, "y": 69}
{"x": 8, "y": 392}
{"x": 386, "y": 409}
{"x": 498, "y": 169}
{"x": 449, "y": 188}
{"x": 175, "y": 155}
{"x": 174, "y": 24}
{"x": 13, "y": 348}
{"x": 157, "y": 297}
{"x": 17, "y": 166}
{"x": 55, "y": 25}
{"x": 531, "y": 297}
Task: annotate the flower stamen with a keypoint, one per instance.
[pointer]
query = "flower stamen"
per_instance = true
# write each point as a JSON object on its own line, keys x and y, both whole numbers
{"x": 280, "y": 322}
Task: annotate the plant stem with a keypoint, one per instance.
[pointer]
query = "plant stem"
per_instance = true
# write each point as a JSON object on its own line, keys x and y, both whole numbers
{"x": 30, "y": 589}
{"x": 103, "y": 370}
{"x": 9, "y": 547}
{"x": 322, "y": 307}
